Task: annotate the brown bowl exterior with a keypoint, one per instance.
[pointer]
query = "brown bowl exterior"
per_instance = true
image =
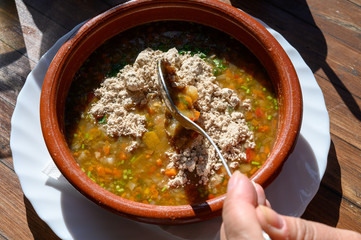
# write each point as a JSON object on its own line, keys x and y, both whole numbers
{"x": 207, "y": 12}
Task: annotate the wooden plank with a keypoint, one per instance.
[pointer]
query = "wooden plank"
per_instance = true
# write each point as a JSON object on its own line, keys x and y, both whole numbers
{"x": 11, "y": 206}
{"x": 18, "y": 219}
{"x": 315, "y": 47}
{"x": 5, "y": 126}
{"x": 14, "y": 68}
{"x": 331, "y": 209}
{"x": 344, "y": 113}
{"x": 39, "y": 32}
{"x": 343, "y": 171}
{"x": 66, "y": 13}
{"x": 338, "y": 19}
{"x": 10, "y": 30}
{"x": 38, "y": 228}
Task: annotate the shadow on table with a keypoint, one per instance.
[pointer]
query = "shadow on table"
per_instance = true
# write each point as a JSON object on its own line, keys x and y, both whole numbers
{"x": 37, "y": 226}
{"x": 328, "y": 199}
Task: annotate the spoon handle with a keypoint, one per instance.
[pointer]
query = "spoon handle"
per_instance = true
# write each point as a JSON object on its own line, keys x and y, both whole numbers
{"x": 200, "y": 130}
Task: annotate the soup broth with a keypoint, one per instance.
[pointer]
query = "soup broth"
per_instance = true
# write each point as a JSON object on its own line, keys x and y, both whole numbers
{"x": 141, "y": 174}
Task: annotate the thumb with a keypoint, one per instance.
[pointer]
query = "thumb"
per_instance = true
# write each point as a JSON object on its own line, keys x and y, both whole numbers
{"x": 239, "y": 210}
{"x": 280, "y": 227}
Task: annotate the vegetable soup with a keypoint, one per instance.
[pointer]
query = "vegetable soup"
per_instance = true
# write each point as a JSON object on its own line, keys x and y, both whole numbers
{"x": 136, "y": 149}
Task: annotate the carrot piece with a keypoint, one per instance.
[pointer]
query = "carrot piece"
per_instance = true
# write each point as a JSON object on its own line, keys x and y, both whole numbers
{"x": 151, "y": 111}
{"x": 152, "y": 169}
{"x": 159, "y": 162}
{"x": 266, "y": 150}
{"x": 253, "y": 170}
{"x": 170, "y": 172}
{"x": 100, "y": 170}
{"x": 250, "y": 154}
{"x": 196, "y": 115}
{"x": 117, "y": 173}
{"x": 259, "y": 113}
{"x": 122, "y": 156}
{"x": 106, "y": 150}
{"x": 263, "y": 128}
{"x": 210, "y": 196}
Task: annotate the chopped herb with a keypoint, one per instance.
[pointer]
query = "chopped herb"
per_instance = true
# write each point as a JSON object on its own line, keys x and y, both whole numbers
{"x": 132, "y": 159}
{"x": 119, "y": 189}
{"x": 103, "y": 120}
{"x": 164, "y": 188}
{"x": 255, "y": 163}
{"x": 223, "y": 179}
{"x": 269, "y": 117}
{"x": 219, "y": 63}
{"x": 120, "y": 163}
{"x": 182, "y": 99}
{"x": 202, "y": 55}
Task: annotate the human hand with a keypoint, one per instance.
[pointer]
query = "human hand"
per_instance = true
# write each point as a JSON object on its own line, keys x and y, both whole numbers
{"x": 246, "y": 213}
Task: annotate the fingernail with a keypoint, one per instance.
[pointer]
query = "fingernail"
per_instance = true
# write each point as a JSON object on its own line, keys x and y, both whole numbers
{"x": 235, "y": 179}
{"x": 272, "y": 218}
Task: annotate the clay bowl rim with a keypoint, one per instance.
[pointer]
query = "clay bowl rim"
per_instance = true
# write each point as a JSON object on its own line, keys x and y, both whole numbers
{"x": 225, "y": 18}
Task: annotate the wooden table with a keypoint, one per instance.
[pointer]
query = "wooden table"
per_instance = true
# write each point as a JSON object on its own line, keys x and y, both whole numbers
{"x": 327, "y": 33}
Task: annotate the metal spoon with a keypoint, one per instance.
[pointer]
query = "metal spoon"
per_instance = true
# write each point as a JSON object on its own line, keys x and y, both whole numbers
{"x": 183, "y": 120}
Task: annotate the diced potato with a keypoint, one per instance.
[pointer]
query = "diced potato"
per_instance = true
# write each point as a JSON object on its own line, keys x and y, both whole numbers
{"x": 151, "y": 140}
{"x": 192, "y": 92}
{"x": 173, "y": 128}
{"x": 245, "y": 167}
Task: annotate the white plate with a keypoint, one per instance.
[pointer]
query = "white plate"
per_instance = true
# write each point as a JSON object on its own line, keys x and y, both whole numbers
{"x": 71, "y": 216}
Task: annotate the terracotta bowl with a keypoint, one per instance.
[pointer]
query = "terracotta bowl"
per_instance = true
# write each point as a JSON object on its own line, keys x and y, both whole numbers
{"x": 207, "y": 12}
